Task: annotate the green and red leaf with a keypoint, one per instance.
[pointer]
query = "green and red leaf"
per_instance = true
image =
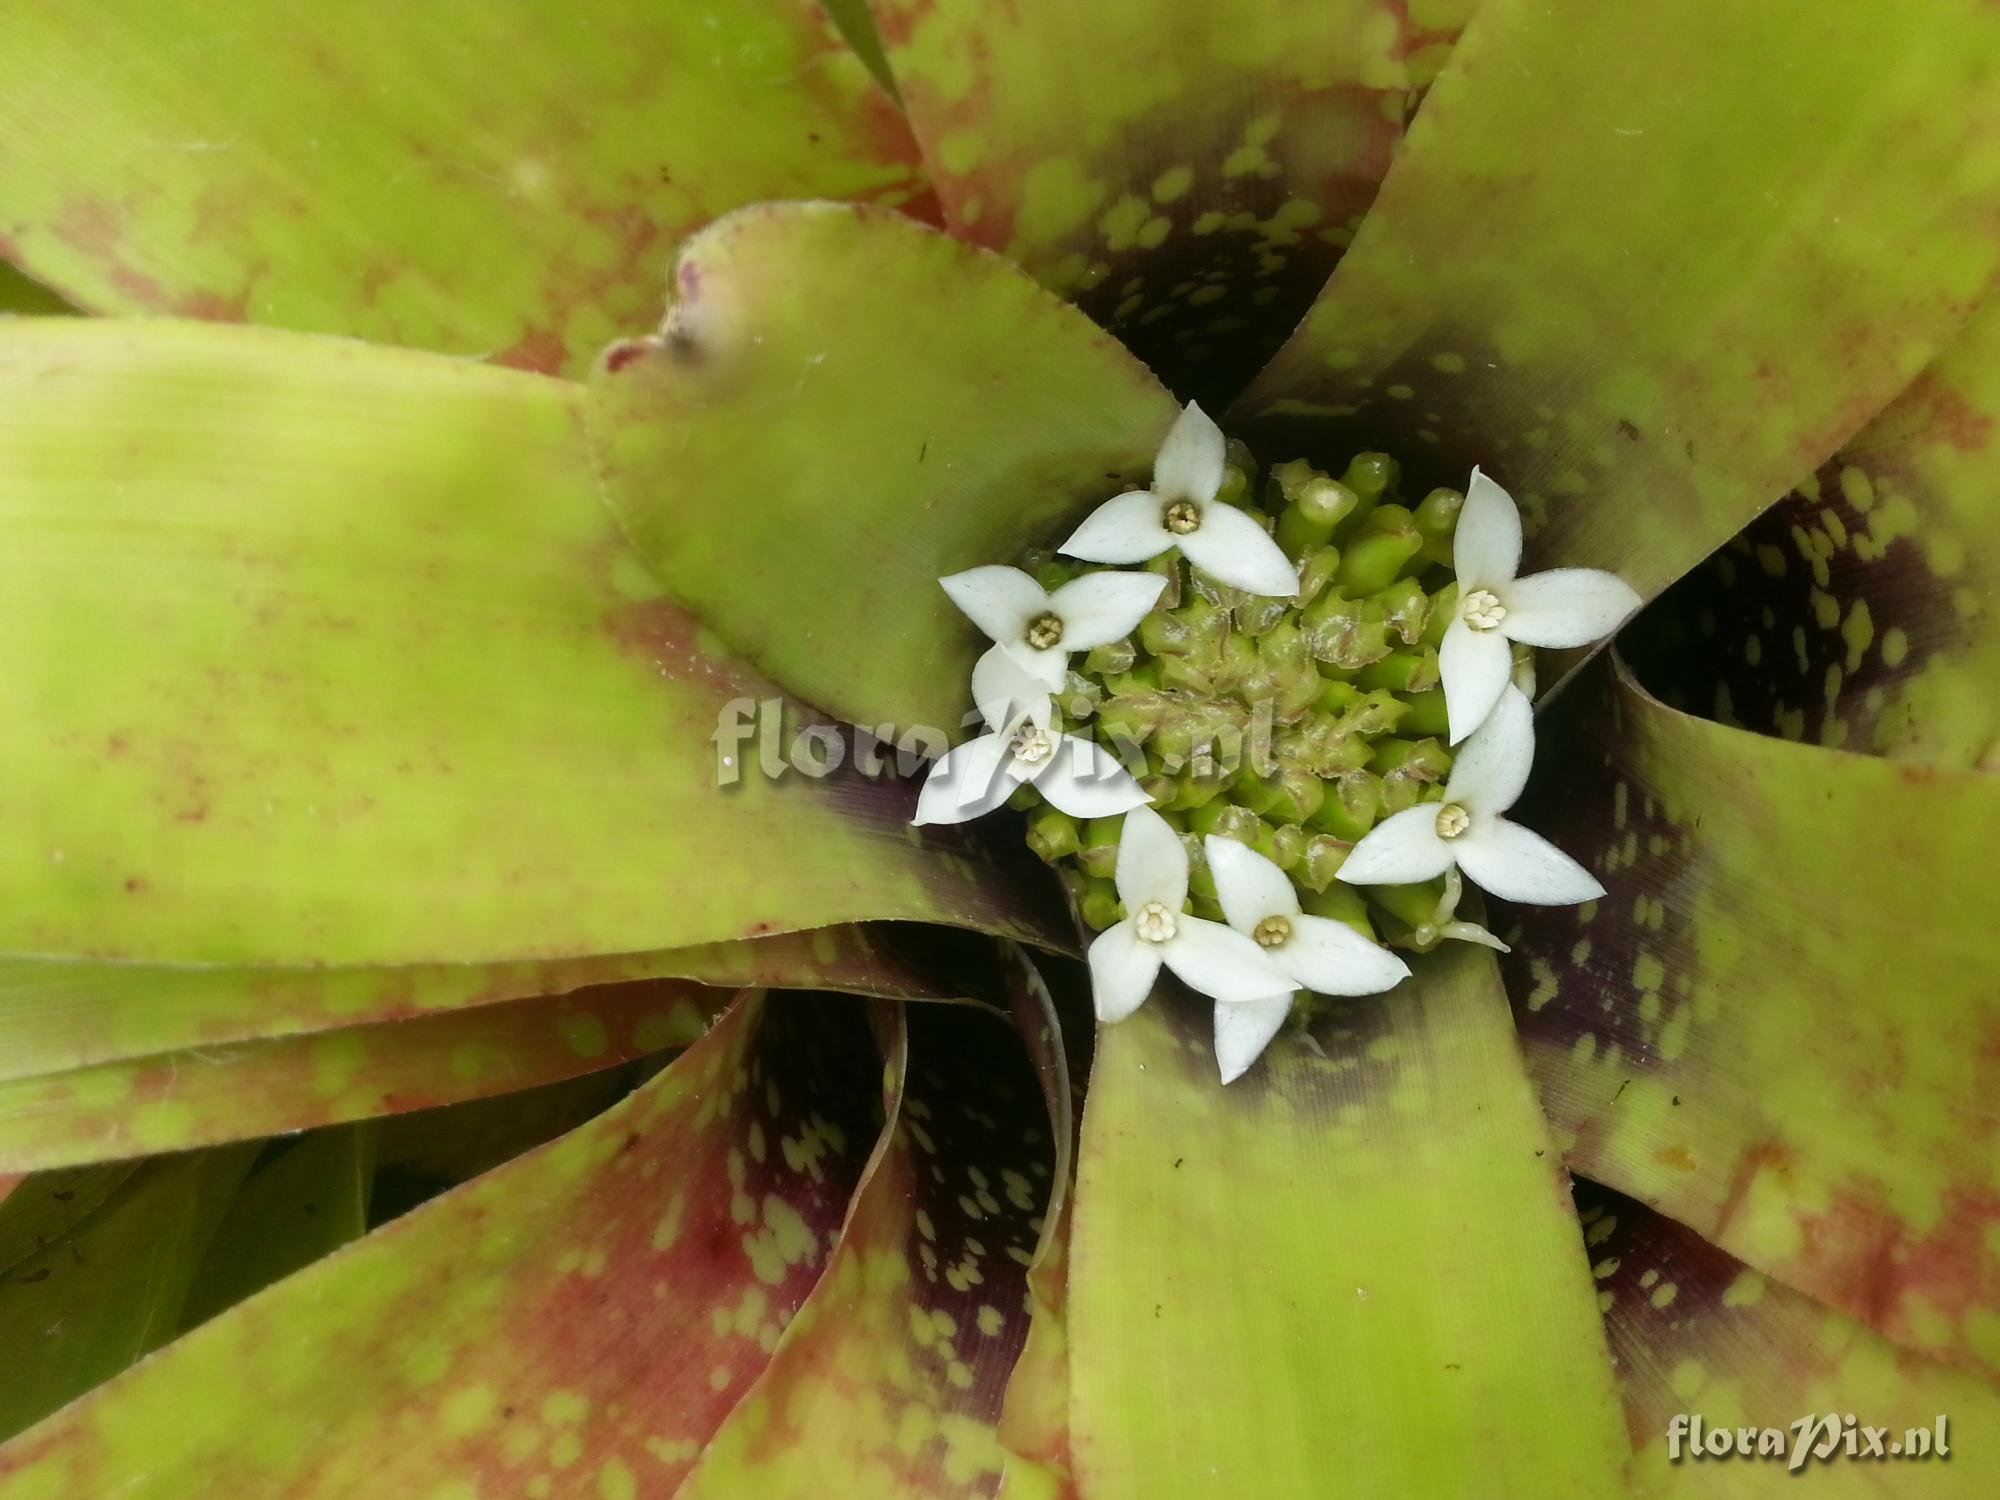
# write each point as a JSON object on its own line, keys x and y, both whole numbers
{"x": 498, "y": 181}
{"x": 1782, "y": 1023}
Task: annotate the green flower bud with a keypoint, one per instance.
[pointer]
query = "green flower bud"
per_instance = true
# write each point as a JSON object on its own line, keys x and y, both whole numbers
{"x": 1235, "y": 482}
{"x": 1437, "y": 519}
{"x": 1402, "y": 671}
{"x": 1372, "y": 476}
{"x": 1406, "y": 608}
{"x": 1412, "y": 905}
{"x": 1110, "y": 659}
{"x": 1376, "y": 712}
{"x": 1288, "y": 845}
{"x": 1099, "y": 906}
{"x": 1291, "y": 796}
{"x": 1052, "y": 573}
{"x": 1337, "y": 630}
{"x": 1228, "y": 821}
{"x": 1427, "y": 713}
{"x": 1308, "y": 520}
{"x": 1099, "y": 855}
{"x": 1424, "y": 760}
{"x": 1285, "y": 675}
{"x": 1352, "y": 803}
{"x": 1318, "y": 574}
{"x": 1142, "y": 679}
{"x": 1339, "y": 903}
{"x": 1053, "y": 834}
{"x": 1320, "y": 861}
{"x": 1444, "y": 609}
{"x": 1373, "y": 559}
{"x": 1168, "y": 566}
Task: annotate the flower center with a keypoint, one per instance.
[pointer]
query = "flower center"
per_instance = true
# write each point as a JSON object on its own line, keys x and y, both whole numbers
{"x": 1183, "y": 517}
{"x": 1032, "y": 746}
{"x": 1273, "y": 932}
{"x": 1154, "y": 923}
{"x": 1045, "y": 631}
{"x": 1452, "y": 820}
{"x": 1483, "y": 610}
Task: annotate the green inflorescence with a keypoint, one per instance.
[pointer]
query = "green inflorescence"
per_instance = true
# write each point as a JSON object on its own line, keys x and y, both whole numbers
{"x": 1290, "y": 725}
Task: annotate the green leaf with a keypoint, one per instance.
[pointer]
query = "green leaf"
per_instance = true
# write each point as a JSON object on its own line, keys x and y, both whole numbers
{"x": 1034, "y": 1422}
{"x": 892, "y": 1375}
{"x": 62, "y": 1015}
{"x": 844, "y": 407}
{"x": 1694, "y": 1330}
{"x": 1859, "y": 612}
{"x": 354, "y": 669}
{"x": 112, "y": 1289}
{"x": 1780, "y": 1025}
{"x": 1649, "y": 307}
{"x": 1362, "y": 1264}
{"x": 234, "y": 1091}
{"x": 578, "y": 1320}
{"x": 498, "y": 181}
{"x": 38, "y": 1209}
{"x": 304, "y": 1200}
{"x": 1186, "y": 172}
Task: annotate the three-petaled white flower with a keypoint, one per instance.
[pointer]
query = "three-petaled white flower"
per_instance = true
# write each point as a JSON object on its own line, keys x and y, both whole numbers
{"x": 1314, "y": 953}
{"x": 1125, "y": 959}
{"x": 1562, "y": 607}
{"x": 1075, "y": 775}
{"x": 1466, "y": 829}
{"x": 1039, "y": 629}
{"x": 1180, "y": 510}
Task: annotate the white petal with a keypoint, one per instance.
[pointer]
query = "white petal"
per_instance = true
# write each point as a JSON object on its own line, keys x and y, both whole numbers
{"x": 1085, "y": 780}
{"x": 1233, "y": 549}
{"x": 1566, "y": 606}
{"x": 1400, "y": 850}
{"x": 1515, "y": 864}
{"x": 1221, "y": 962}
{"x": 1331, "y": 958}
{"x": 1006, "y": 692}
{"x": 1099, "y": 608}
{"x": 1488, "y": 774}
{"x": 1000, "y": 601}
{"x": 1472, "y": 932}
{"x": 1475, "y": 666}
{"x": 1152, "y": 862}
{"x": 969, "y": 782}
{"x": 1122, "y": 971}
{"x": 1486, "y": 547}
{"x": 1243, "y": 1031}
{"x": 1125, "y": 529}
{"x": 1048, "y": 666}
{"x": 1190, "y": 463}
{"x": 1248, "y": 885}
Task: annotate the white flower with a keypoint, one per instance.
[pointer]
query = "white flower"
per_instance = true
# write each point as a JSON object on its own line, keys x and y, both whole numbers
{"x": 1073, "y": 774}
{"x": 1040, "y": 629}
{"x": 1562, "y": 607}
{"x": 1180, "y": 511}
{"x": 1125, "y": 959}
{"x": 1315, "y": 953}
{"x": 1467, "y": 831}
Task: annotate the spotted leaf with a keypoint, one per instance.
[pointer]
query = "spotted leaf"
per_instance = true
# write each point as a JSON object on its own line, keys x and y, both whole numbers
{"x": 354, "y": 669}
{"x": 1781, "y": 1025}
{"x": 514, "y": 1332}
{"x": 1648, "y": 308}
{"x": 1186, "y": 172}
{"x": 1694, "y": 1331}
{"x": 500, "y": 181}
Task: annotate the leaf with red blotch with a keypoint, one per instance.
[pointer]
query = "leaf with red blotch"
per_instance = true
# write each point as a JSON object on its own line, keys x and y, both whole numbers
{"x": 893, "y": 1374}
{"x": 586, "y": 1314}
{"x": 1782, "y": 1023}
{"x": 496, "y": 181}
{"x": 1696, "y": 1332}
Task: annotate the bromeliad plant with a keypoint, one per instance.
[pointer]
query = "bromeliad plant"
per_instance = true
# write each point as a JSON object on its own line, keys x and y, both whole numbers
{"x": 434, "y": 723}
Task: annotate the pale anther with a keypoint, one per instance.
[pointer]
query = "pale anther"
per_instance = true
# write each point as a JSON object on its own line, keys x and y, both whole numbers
{"x": 1032, "y": 746}
{"x": 1452, "y": 820}
{"x": 1273, "y": 932}
{"x": 1154, "y": 923}
{"x": 1045, "y": 631}
{"x": 1483, "y": 610}
{"x": 1183, "y": 518}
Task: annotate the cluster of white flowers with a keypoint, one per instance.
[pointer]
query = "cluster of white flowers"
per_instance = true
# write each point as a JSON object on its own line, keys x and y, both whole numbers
{"x": 1251, "y": 964}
